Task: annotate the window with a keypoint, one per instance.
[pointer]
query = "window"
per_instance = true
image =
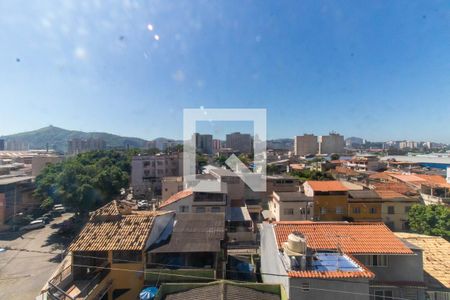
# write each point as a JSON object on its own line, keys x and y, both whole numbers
{"x": 126, "y": 257}
{"x": 288, "y": 211}
{"x": 407, "y": 208}
{"x": 184, "y": 208}
{"x": 200, "y": 209}
{"x": 391, "y": 210}
{"x": 382, "y": 295}
{"x": 339, "y": 210}
{"x": 215, "y": 209}
{"x": 305, "y": 287}
{"x": 323, "y": 210}
{"x": 356, "y": 210}
{"x": 373, "y": 210}
{"x": 377, "y": 260}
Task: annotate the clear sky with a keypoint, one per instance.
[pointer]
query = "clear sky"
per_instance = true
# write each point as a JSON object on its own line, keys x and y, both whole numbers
{"x": 374, "y": 69}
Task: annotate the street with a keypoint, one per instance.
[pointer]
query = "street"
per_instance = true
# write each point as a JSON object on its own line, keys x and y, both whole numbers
{"x": 24, "y": 273}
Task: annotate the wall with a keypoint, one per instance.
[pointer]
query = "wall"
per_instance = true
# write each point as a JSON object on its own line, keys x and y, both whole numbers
{"x": 330, "y": 202}
{"x": 278, "y": 207}
{"x": 171, "y": 187}
{"x": 397, "y": 220}
{"x": 324, "y": 289}
{"x": 365, "y": 214}
{"x": 270, "y": 259}
{"x": 127, "y": 276}
{"x": 38, "y": 163}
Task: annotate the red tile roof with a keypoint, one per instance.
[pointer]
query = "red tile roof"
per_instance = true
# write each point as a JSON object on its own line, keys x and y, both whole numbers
{"x": 327, "y": 186}
{"x": 398, "y": 187}
{"x": 353, "y": 238}
{"x": 176, "y": 197}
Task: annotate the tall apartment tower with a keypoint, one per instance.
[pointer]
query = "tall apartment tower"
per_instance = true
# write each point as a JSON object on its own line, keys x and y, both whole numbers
{"x": 2, "y": 145}
{"x": 332, "y": 143}
{"x": 204, "y": 143}
{"x": 241, "y": 142}
{"x": 306, "y": 144}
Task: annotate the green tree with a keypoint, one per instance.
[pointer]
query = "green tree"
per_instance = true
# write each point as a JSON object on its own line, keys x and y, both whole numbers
{"x": 430, "y": 220}
{"x": 84, "y": 182}
{"x": 334, "y": 156}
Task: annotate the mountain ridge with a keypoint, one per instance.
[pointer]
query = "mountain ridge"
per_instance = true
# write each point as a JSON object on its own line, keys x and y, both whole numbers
{"x": 57, "y": 138}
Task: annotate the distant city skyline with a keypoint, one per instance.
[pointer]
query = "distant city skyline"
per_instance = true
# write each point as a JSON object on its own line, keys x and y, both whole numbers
{"x": 371, "y": 69}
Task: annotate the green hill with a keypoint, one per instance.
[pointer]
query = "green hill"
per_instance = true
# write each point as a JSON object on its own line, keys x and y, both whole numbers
{"x": 57, "y": 138}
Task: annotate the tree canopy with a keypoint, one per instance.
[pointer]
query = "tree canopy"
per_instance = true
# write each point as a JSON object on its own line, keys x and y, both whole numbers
{"x": 430, "y": 219}
{"x": 307, "y": 174}
{"x": 84, "y": 182}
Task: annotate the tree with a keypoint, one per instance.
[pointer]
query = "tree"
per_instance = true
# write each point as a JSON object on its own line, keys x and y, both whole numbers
{"x": 334, "y": 156}
{"x": 307, "y": 174}
{"x": 430, "y": 220}
{"x": 84, "y": 182}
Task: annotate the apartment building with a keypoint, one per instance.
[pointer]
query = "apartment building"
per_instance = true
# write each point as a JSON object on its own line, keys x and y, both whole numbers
{"x": 217, "y": 145}
{"x": 189, "y": 201}
{"x": 291, "y": 206}
{"x": 395, "y": 208}
{"x": 364, "y": 206}
{"x": 203, "y": 143}
{"x": 364, "y": 163}
{"x": 39, "y": 162}
{"x": 239, "y": 142}
{"x": 339, "y": 260}
{"x": 332, "y": 143}
{"x": 77, "y": 145}
{"x": 170, "y": 186}
{"x": 147, "y": 171}
{"x": 330, "y": 199}
{"x": 306, "y": 144}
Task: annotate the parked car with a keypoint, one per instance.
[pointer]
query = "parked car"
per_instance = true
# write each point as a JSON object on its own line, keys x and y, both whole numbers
{"x": 46, "y": 219}
{"x": 59, "y": 207}
{"x": 143, "y": 204}
{"x": 34, "y": 225}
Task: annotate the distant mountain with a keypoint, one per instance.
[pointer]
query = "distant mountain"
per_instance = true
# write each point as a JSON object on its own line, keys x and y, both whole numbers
{"x": 281, "y": 144}
{"x": 57, "y": 138}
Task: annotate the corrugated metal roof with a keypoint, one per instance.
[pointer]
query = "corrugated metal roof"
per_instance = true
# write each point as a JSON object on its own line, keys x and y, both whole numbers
{"x": 195, "y": 232}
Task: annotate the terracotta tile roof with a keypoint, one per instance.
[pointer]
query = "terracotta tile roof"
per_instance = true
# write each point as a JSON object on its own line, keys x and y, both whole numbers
{"x": 380, "y": 175}
{"x": 436, "y": 254}
{"x": 364, "y": 273}
{"x": 176, "y": 197}
{"x": 345, "y": 171}
{"x": 327, "y": 186}
{"x": 353, "y": 238}
{"x": 434, "y": 180}
{"x": 110, "y": 229}
{"x": 407, "y": 178}
{"x": 398, "y": 187}
{"x": 390, "y": 195}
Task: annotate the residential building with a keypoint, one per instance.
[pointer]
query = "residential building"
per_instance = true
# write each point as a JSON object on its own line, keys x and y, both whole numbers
{"x": 16, "y": 145}
{"x": 306, "y": 144}
{"x": 234, "y": 185}
{"x": 147, "y": 171}
{"x": 364, "y": 206}
{"x": 291, "y": 206}
{"x": 2, "y": 144}
{"x": 340, "y": 260}
{"x": 16, "y": 196}
{"x": 330, "y": 199}
{"x": 170, "y": 186}
{"x": 192, "y": 251}
{"x": 364, "y": 163}
{"x": 188, "y": 201}
{"x": 240, "y": 229}
{"x": 436, "y": 263}
{"x": 332, "y": 143}
{"x": 239, "y": 142}
{"x": 217, "y": 145}
{"x": 221, "y": 290}
{"x": 77, "y": 145}
{"x": 395, "y": 208}
{"x": 102, "y": 258}
{"x": 203, "y": 143}
{"x": 39, "y": 162}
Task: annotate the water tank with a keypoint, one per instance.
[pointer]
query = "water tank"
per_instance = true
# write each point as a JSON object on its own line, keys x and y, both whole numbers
{"x": 296, "y": 243}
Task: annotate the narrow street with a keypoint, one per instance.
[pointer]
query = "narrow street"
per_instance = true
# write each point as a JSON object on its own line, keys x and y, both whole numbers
{"x": 24, "y": 273}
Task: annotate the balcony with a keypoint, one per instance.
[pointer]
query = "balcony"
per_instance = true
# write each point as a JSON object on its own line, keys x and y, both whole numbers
{"x": 64, "y": 287}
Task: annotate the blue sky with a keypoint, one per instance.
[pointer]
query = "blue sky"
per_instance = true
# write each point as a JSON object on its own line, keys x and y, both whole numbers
{"x": 374, "y": 69}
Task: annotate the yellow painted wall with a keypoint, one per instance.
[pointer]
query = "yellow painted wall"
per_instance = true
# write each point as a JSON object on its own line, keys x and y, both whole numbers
{"x": 330, "y": 202}
{"x": 123, "y": 278}
{"x": 365, "y": 214}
